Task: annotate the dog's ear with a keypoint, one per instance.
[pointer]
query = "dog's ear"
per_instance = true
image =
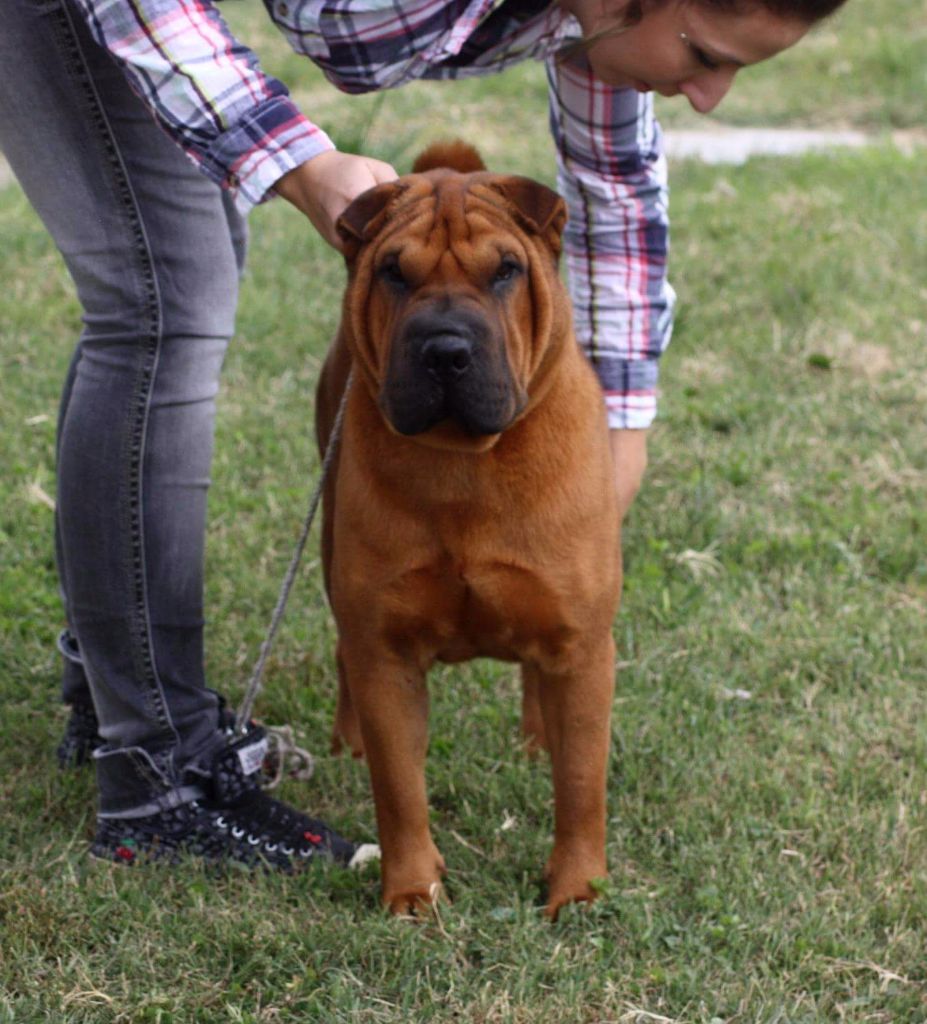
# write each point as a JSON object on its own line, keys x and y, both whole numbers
{"x": 538, "y": 208}
{"x": 365, "y": 216}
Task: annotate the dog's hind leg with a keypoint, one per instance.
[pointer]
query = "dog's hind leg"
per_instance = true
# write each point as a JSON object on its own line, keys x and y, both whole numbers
{"x": 576, "y": 705}
{"x": 532, "y": 721}
{"x": 346, "y": 729}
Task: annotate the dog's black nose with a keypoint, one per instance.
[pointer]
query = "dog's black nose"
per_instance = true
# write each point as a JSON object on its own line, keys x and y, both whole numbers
{"x": 447, "y": 357}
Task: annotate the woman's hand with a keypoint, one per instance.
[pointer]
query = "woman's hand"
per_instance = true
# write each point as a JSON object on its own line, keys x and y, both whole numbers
{"x": 324, "y": 186}
{"x": 629, "y": 454}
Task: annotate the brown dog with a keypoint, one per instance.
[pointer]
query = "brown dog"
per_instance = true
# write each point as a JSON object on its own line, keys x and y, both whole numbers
{"x": 472, "y": 509}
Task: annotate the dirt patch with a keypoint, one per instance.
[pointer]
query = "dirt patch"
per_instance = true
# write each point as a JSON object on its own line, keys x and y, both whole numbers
{"x": 872, "y": 361}
{"x": 864, "y": 358}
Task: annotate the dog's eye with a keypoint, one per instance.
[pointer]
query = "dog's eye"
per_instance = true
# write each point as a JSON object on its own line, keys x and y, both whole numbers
{"x": 508, "y": 270}
{"x": 391, "y": 272}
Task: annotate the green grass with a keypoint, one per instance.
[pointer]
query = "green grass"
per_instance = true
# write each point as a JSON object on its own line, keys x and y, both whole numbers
{"x": 768, "y": 786}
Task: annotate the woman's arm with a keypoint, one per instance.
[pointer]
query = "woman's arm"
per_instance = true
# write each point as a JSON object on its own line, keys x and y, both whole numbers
{"x": 324, "y": 186}
{"x": 629, "y": 456}
{"x": 612, "y": 173}
{"x": 209, "y": 93}
{"x": 613, "y": 176}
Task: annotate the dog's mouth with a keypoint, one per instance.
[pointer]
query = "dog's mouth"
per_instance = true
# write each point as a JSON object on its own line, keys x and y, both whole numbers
{"x": 413, "y": 404}
{"x": 449, "y": 369}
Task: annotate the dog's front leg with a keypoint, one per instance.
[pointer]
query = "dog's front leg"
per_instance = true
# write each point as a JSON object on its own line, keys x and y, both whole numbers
{"x": 390, "y": 698}
{"x": 576, "y": 706}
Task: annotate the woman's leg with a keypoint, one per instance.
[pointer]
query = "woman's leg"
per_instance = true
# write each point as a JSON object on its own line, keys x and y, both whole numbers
{"x": 147, "y": 240}
{"x": 155, "y": 253}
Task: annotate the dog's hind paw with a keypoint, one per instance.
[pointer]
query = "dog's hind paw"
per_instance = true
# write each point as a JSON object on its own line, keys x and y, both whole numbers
{"x": 342, "y": 743}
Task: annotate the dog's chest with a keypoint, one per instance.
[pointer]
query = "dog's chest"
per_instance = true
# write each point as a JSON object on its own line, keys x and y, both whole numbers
{"x": 462, "y": 609}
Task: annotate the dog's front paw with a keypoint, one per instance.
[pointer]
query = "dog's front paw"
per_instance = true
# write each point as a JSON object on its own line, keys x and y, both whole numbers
{"x": 559, "y": 896}
{"x": 416, "y": 902}
{"x": 570, "y": 878}
{"x": 413, "y": 887}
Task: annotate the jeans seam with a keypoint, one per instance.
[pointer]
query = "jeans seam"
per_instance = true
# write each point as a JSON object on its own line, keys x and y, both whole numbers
{"x": 140, "y": 628}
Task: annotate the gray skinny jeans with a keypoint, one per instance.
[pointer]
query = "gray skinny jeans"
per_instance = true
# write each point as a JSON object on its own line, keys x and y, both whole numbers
{"x": 155, "y": 252}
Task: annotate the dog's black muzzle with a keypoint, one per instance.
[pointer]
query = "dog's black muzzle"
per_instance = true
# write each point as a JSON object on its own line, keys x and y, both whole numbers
{"x": 449, "y": 364}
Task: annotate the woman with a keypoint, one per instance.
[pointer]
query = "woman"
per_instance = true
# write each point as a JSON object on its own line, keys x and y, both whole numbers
{"x": 155, "y": 249}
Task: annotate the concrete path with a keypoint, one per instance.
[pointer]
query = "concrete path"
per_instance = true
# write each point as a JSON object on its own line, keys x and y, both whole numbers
{"x": 737, "y": 145}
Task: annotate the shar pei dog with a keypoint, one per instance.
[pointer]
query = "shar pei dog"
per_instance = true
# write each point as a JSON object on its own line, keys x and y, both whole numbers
{"x": 471, "y": 509}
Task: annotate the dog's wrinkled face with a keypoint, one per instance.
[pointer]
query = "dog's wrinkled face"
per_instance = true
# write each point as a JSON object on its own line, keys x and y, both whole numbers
{"x": 447, "y": 358}
{"x": 452, "y": 296}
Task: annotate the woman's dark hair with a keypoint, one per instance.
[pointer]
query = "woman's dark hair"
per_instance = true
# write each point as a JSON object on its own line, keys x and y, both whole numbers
{"x": 807, "y": 11}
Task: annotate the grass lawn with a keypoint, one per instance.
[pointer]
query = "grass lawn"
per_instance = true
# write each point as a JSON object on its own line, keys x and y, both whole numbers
{"x": 768, "y": 796}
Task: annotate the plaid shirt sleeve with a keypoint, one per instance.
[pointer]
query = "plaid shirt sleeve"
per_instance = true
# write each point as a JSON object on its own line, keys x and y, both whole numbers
{"x": 207, "y": 91}
{"x": 613, "y": 175}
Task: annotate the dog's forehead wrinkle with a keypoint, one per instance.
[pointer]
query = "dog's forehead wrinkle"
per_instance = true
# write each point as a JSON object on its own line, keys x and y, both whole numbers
{"x": 484, "y": 197}
{"x": 493, "y": 222}
{"x": 450, "y": 227}
{"x": 405, "y": 215}
{"x": 452, "y": 208}
{"x": 451, "y": 263}
{"x": 419, "y": 247}
{"x": 473, "y": 230}
{"x": 469, "y": 204}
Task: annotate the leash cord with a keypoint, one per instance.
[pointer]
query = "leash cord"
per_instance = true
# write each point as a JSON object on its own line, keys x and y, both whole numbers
{"x": 257, "y": 674}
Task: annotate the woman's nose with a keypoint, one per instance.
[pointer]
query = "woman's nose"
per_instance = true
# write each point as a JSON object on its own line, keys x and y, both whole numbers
{"x": 705, "y": 91}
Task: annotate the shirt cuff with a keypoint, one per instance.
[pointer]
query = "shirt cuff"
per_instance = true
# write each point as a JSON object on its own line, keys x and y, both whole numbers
{"x": 630, "y": 389}
{"x": 630, "y": 412}
{"x": 258, "y": 150}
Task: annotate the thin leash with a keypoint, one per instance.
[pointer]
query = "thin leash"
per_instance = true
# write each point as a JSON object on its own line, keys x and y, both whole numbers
{"x": 283, "y": 743}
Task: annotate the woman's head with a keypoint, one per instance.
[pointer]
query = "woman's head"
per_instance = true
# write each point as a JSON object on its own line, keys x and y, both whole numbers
{"x": 689, "y": 47}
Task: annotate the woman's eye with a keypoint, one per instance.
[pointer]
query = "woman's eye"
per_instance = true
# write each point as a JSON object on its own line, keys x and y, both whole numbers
{"x": 699, "y": 54}
{"x": 705, "y": 60}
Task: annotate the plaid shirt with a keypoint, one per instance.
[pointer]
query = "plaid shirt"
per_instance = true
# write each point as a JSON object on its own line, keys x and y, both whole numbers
{"x": 208, "y": 91}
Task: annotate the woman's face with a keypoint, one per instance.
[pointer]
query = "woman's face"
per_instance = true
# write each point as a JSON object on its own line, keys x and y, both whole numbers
{"x": 681, "y": 47}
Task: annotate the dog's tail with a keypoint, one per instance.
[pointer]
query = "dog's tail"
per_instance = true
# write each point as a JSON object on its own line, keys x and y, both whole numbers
{"x": 452, "y": 154}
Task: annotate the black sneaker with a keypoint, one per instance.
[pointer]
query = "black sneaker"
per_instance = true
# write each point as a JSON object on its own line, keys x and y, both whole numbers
{"x": 80, "y": 737}
{"x": 235, "y": 821}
